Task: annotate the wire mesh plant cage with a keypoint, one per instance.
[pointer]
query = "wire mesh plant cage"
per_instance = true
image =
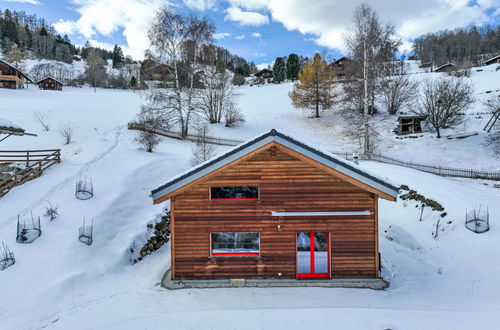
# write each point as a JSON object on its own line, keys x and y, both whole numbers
{"x": 84, "y": 189}
{"x": 28, "y": 233}
{"x": 477, "y": 220}
{"x": 86, "y": 233}
{"x": 7, "y": 258}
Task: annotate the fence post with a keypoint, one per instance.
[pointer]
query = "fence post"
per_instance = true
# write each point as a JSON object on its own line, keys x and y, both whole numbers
{"x": 27, "y": 158}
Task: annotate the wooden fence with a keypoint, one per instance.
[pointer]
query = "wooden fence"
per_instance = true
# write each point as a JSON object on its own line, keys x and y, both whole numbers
{"x": 429, "y": 168}
{"x": 176, "y": 135}
{"x": 34, "y": 162}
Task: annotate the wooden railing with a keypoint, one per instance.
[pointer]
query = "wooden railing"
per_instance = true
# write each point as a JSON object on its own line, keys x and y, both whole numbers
{"x": 11, "y": 77}
{"x": 33, "y": 161}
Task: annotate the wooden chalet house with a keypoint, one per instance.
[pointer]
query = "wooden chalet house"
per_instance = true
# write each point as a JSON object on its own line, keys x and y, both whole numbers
{"x": 493, "y": 60}
{"x": 11, "y": 77}
{"x": 50, "y": 83}
{"x": 410, "y": 124}
{"x": 274, "y": 208}
{"x": 264, "y": 74}
{"x": 344, "y": 69}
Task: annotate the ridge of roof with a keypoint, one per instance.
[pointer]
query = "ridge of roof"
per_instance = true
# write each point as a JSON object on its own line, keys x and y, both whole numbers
{"x": 274, "y": 133}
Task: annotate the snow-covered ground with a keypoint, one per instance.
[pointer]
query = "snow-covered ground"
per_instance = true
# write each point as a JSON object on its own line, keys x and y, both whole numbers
{"x": 59, "y": 283}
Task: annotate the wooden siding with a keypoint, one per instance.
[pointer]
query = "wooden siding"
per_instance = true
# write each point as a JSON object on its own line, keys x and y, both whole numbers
{"x": 287, "y": 184}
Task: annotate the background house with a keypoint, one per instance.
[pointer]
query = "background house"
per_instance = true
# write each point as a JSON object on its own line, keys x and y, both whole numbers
{"x": 11, "y": 77}
{"x": 50, "y": 83}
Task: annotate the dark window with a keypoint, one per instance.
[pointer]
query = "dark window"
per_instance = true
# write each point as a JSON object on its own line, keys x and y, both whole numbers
{"x": 222, "y": 193}
{"x": 238, "y": 244}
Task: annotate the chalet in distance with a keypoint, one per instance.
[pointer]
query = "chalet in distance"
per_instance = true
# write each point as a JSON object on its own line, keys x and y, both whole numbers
{"x": 272, "y": 209}
{"x": 11, "y": 77}
{"x": 409, "y": 124}
{"x": 264, "y": 74}
{"x": 344, "y": 69}
{"x": 493, "y": 60}
{"x": 448, "y": 67}
{"x": 50, "y": 83}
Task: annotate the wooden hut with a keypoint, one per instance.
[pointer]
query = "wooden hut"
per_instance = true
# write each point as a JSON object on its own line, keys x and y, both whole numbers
{"x": 493, "y": 60}
{"x": 50, "y": 83}
{"x": 264, "y": 74}
{"x": 448, "y": 67}
{"x": 274, "y": 208}
{"x": 11, "y": 77}
{"x": 410, "y": 124}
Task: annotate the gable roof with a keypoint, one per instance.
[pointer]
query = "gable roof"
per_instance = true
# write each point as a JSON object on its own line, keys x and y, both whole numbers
{"x": 13, "y": 67}
{"x": 492, "y": 59}
{"x": 444, "y": 66}
{"x": 262, "y": 71}
{"x": 47, "y": 77}
{"x": 362, "y": 177}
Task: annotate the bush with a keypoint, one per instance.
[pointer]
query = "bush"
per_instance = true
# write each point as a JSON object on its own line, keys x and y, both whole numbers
{"x": 238, "y": 80}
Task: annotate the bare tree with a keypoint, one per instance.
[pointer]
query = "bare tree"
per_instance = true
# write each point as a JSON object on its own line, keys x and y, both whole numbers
{"x": 66, "y": 131}
{"x": 148, "y": 139}
{"x": 95, "y": 72}
{"x": 217, "y": 97}
{"x": 203, "y": 150}
{"x": 171, "y": 36}
{"x": 443, "y": 101}
{"x": 370, "y": 45}
{"x": 233, "y": 116}
{"x": 398, "y": 92}
{"x": 43, "y": 120}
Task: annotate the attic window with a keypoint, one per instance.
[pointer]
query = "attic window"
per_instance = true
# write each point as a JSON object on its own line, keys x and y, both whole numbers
{"x": 234, "y": 193}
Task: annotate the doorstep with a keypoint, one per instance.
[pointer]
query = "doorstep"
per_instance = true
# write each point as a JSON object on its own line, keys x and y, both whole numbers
{"x": 365, "y": 283}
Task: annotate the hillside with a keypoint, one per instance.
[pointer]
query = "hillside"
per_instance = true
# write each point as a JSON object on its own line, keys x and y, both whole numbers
{"x": 58, "y": 283}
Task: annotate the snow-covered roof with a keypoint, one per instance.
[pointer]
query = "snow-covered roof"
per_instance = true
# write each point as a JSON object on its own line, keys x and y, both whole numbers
{"x": 444, "y": 66}
{"x": 8, "y": 127}
{"x": 13, "y": 67}
{"x": 348, "y": 168}
{"x": 47, "y": 77}
{"x": 492, "y": 59}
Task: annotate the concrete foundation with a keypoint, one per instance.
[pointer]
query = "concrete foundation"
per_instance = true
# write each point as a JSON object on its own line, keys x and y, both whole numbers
{"x": 368, "y": 283}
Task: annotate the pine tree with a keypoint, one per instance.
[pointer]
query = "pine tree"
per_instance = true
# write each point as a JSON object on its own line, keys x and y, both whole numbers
{"x": 43, "y": 31}
{"x": 292, "y": 67}
{"x": 314, "y": 90}
{"x": 279, "y": 70}
{"x": 133, "y": 82}
{"x": 117, "y": 57}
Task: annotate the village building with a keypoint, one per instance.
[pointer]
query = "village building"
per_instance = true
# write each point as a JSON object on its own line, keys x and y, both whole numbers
{"x": 272, "y": 209}
{"x": 11, "y": 77}
{"x": 264, "y": 74}
{"x": 409, "y": 124}
{"x": 493, "y": 60}
{"x": 50, "y": 83}
{"x": 448, "y": 67}
{"x": 344, "y": 69}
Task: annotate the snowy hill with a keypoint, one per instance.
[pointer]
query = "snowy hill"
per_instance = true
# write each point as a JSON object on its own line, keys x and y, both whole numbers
{"x": 59, "y": 283}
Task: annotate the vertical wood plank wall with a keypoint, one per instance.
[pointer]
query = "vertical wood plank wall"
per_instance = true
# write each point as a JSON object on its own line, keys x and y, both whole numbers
{"x": 287, "y": 184}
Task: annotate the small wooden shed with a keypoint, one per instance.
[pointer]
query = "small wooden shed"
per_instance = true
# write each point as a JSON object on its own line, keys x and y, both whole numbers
{"x": 274, "y": 208}
{"x": 493, "y": 60}
{"x": 410, "y": 124}
{"x": 50, "y": 83}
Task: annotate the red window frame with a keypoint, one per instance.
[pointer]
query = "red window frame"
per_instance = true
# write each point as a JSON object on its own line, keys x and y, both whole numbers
{"x": 233, "y": 199}
{"x": 311, "y": 258}
{"x": 233, "y": 254}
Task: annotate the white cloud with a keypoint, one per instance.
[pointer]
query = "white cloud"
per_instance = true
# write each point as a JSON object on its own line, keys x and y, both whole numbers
{"x": 256, "y": 35}
{"x": 100, "y": 44}
{"x": 265, "y": 65}
{"x": 259, "y": 54}
{"x": 241, "y": 37}
{"x": 33, "y": 2}
{"x": 328, "y": 20}
{"x": 200, "y": 5}
{"x": 249, "y": 18}
{"x": 108, "y": 16}
{"x": 221, "y": 35}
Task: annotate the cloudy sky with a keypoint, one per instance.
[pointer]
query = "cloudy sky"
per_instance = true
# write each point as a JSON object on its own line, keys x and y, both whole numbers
{"x": 259, "y": 30}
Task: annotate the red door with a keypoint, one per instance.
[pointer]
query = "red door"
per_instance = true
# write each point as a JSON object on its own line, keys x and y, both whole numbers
{"x": 313, "y": 255}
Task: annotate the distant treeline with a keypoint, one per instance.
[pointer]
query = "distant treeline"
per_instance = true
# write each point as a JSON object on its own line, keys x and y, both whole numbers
{"x": 467, "y": 46}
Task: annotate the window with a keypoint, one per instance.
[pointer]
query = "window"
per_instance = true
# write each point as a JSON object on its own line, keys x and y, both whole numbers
{"x": 242, "y": 193}
{"x": 235, "y": 244}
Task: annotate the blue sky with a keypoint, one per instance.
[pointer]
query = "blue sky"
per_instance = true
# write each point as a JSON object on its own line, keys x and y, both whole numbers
{"x": 259, "y": 30}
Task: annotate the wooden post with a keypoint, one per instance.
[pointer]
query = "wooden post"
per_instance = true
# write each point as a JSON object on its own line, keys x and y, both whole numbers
{"x": 27, "y": 158}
